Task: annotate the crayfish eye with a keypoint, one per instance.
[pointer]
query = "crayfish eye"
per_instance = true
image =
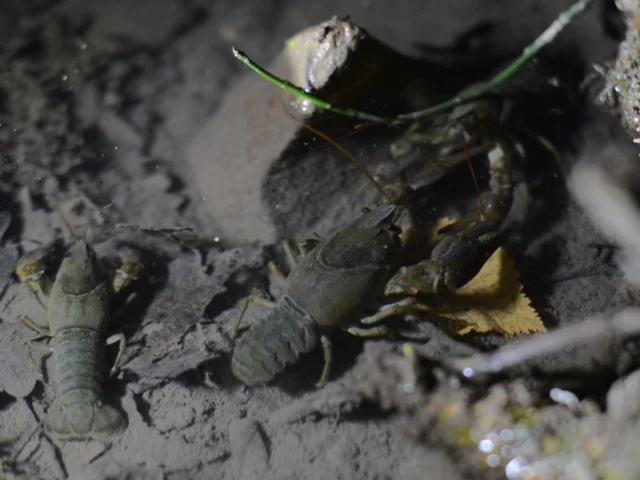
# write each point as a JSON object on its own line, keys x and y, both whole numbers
{"x": 365, "y": 210}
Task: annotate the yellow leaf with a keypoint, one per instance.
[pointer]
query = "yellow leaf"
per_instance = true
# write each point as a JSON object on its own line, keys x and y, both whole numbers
{"x": 441, "y": 225}
{"x": 492, "y": 301}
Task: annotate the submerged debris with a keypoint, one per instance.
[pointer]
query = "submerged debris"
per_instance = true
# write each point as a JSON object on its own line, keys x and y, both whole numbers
{"x": 623, "y": 80}
{"x": 191, "y": 283}
{"x": 511, "y": 430}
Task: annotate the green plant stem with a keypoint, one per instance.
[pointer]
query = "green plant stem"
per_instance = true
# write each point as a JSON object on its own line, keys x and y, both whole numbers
{"x": 298, "y": 92}
{"x": 527, "y": 55}
{"x": 466, "y": 96}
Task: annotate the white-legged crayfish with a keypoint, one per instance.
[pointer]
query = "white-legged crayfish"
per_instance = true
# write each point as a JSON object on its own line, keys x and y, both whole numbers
{"x": 338, "y": 279}
{"x": 79, "y": 308}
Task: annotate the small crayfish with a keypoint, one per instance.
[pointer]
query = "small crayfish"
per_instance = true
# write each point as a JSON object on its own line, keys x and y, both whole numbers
{"x": 79, "y": 309}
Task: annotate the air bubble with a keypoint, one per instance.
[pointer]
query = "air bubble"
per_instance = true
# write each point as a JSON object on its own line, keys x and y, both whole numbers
{"x": 515, "y": 467}
{"x": 506, "y": 451}
{"x": 486, "y": 446}
{"x": 564, "y": 397}
{"x": 507, "y": 435}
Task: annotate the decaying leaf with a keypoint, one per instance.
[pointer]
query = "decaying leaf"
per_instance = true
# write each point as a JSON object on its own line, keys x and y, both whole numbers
{"x": 438, "y": 229}
{"x": 492, "y": 301}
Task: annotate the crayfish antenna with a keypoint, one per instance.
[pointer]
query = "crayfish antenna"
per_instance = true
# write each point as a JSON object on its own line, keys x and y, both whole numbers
{"x": 335, "y": 144}
{"x": 394, "y": 194}
{"x": 473, "y": 175}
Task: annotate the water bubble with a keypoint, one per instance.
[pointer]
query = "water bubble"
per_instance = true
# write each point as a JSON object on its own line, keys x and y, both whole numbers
{"x": 493, "y": 460}
{"x": 529, "y": 448}
{"x": 507, "y": 435}
{"x": 305, "y": 106}
{"x": 522, "y": 432}
{"x": 564, "y": 397}
{"x": 515, "y": 467}
{"x": 506, "y": 451}
{"x": 486, "y": 446}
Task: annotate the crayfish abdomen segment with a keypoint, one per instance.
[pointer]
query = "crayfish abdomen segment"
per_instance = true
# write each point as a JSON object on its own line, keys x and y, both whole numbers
{"x": 79, "y": 361}
{"x": 80, "y": 369}
{"x": 275, "y": 341}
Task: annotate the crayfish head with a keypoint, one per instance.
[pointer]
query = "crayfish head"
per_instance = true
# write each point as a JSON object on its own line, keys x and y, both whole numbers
{"x": 80, "y": 271}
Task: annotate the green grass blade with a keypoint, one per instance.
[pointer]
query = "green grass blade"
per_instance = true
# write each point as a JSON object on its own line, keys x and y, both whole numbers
{"x": 564, "y": 19}
{"x": 298, "y": 92}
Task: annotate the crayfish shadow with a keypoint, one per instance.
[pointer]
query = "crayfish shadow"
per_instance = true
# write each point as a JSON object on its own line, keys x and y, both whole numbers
{"x": 296, "y": 379}
{"x": 216, "y": 371}
{"x": 535, "y": 272}
{"x": 6, "y": 400}
{"x": 303, "y": 376}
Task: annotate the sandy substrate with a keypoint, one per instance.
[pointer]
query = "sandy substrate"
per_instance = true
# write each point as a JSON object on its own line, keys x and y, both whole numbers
{"x": 111, "y": 115}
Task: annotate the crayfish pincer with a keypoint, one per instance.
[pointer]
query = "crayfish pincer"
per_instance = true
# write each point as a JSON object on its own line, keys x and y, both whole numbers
{"x": 79, "y": 309}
